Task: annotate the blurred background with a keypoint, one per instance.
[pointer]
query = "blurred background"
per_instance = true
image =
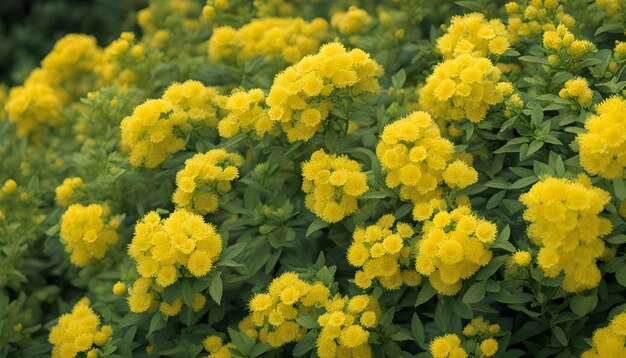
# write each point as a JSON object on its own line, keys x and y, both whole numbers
{"x": 29, "y": 28}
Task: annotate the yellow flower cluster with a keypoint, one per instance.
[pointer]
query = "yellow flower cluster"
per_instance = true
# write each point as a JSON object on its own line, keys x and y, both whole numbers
{"x": 216, "y": 347}
{"x": 352, "y": 21}
{"x": 577, "y": 89}
{"x": 521, "y": 258}
{"x": 158, "y": 128}
{"x": 563, "y": 47}
{"x": 565, "y": 224}
{"x": 609, "y": 341}
{"x": 32, "y": 107}
{"x": 163, "y": 247}
{"x": 140, "y": 298}
{"x": 77, "y": 332}
{"x": 271, "y": 37}
{"x": 276, "y": 311}
{"x": 117, "y": 54}
{"x": 298, "y": 98}
{"x": 87, "y": 233}
{"x": 464, "y": 87}
{"x": 473, "y": 34}
{"x": 479, "y": 327}
{"x": 531, "y": 18}
{"x": 332, "y": 185}
{"x": 453, "y": 247}
{"x": 345, "y": 326}
{"x": 66, "y": 190}
{"x": 204, "y": 176}
{"x": 246, "y": 113}
{"x": 383, "y": 253}
{"x": 603, "y": 144}
{"x": 448, "y": 346}
{"x": 417, "y": 161}
{"x": 66, "y": 73}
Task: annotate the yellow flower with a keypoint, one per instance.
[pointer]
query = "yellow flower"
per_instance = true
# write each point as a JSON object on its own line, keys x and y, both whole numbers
{"x": 489, "y": 347}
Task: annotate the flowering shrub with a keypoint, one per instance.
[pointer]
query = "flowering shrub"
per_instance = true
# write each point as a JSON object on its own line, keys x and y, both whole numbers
{"x": 329, "y": 179}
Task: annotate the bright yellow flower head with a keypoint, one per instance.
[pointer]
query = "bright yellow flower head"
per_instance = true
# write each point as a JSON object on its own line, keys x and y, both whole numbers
{"x": 565, "y": 224}
{"x": 473, "y": 34}
{"x": 603, "y": 144}
{"x": 332, "y": 184}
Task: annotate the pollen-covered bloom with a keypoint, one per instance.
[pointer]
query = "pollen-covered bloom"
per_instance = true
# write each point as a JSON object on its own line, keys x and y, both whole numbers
{"x": 453, "y": 247}
{"x": 603, "y": 144}
{"x": 78, "y": 331}
{"x": 448, "y": 346}
{"x": 158, "y": 128}
{"x": 464, "y": 87}
{"x": 382, "y": 253}
{"x": 473, "y": 34}
{"x": 66, "y": 190}
{"x": 164, "y": 248}
{"x": 346, "y": 326}
{"x": 352, "y": 21}
{"x": 289, "y": 39}
{"x": 577, "y": 90}
{"x": 33, "y": 107}
{"x": 88, "y": 231}
{"x": 332, "y": 185}
{"x": 276, "y": 310}
{"x": 565, "y": 224}
{"x": 609, "y": 341}
{"x": 563, "y": 47}
{"x": 418, "y": 160}
{"x": 246, "y": 113}
{"x": 203, "y": 178}
{"x": 302, "y": 95}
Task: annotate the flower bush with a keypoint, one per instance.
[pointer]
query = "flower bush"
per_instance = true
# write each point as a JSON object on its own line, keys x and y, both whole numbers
{"x": 237, "y": 178}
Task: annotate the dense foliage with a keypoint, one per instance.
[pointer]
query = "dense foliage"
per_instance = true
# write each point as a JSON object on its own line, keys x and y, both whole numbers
{"x": 320, "y": 178}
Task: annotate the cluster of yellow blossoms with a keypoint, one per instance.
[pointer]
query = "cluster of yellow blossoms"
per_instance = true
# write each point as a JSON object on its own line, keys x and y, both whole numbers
{"x": 448, "y": 346}
{"x": 286, "y": 38}
{"x": 603, "y": 145}
{"x": 472, "y": 34}
{"x": 77, "y": 332}
{"x": 246, "y": 113}
{"x": 534, "y": 17}
{"x": 118, "y": 54}
{"x": 332, "y": 185}
{"x": 88, "y": 232}
{"x": 276, "y": 311}
{"x": 298, "y": 98}
{"x": 352, "y": 21}
{"x": 480, "y": 328}
{"x": 66, "y": 73}
{"x": 416, "y": 159}
{"x": 163, "y": 248}
{"x": 383, "y": 253}
{"x": 65, "y": 191}
{"x": 577, "y": 89}
{"x": 464, "y": 87}
{"x": 158, "y": 128}
{"x": 216, "y": 347}
{"x": 563, "y": 47}
{"x": 345, "y": 326}
{"x": 204, "y": 176}
{"x": 565, "y": 223}
{"x": 453, "y": 247}
{"x": 609, "y": 341}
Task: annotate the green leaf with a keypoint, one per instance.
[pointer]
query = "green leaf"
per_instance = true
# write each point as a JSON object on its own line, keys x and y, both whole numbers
{"x": 399, "y": 78}
{"x": 156, "y": 323}
{"x": 426, "y": 293}
{"x": 243, "y": 343}
{"x": 417, "y": 329}
{"x": 187, "y": 292}
{"x": 309, "y": 322}
{"x": 306, "y": 344}
{"x": 559, "y": 335}
{"x": 617, "y": 239}
{"x": 536, "y": 115}
{"x": 619, "y": 186}
{"x": 613, "y": 28}
{"x": 316, "y": 225}
{"x": 524, "y": 182}
{"x": 582, "y": 305}
{"x": 471, "y": 5}
{"x": 475, "y": 293}
{"x": 216, "y": 288}
{"x": 502, "y": 241}
{"x": 491, "y": 267}
{"x": 534, "y": 59}
{"x": 620, "y": 275}
{"x": 533, "y": 147}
